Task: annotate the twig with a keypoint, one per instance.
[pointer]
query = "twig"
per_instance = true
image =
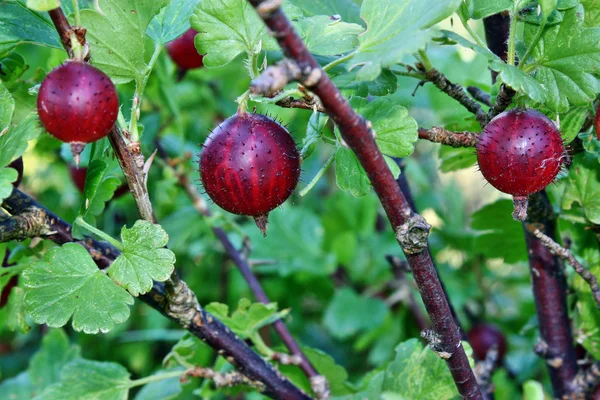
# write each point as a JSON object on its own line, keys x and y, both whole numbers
{"x": 503, "y": 100}
{"x": 458, "y": 93}
{"x": 411, "y": 229}
{"x": 242, "y": 264}
{"x": 449, "y": 138}
{"x": 290, "y": 102}
{"x": 183, "y": 308}
{"x": 480, "y": 95}
{"x": 221, "y": 380}
{"x": 484, "y": 369}
{"x": 587, "y": 380}
{"x": 566, "y": 255}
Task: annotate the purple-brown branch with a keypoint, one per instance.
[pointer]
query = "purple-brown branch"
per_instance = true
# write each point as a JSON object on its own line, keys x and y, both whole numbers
{"x": 411, "y": 229}
{"x": 181, "y": 308}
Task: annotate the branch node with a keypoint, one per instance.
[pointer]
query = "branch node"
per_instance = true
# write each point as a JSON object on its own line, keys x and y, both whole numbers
{"x": 275, "y": 77}
{"x": 320, "y": 387}
{"x": 435, "y": 343}
{"x": 413, "y": 234}
{"x": 268, "y": 8}
{"x": 221, "y": 380}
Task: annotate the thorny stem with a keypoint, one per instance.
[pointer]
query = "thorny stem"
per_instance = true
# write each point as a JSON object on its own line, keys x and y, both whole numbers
{"x": 102, "y": 235}
{"x": 182, "y": 307}
{"x": 318, "y": 176}
{"x": 411, "y": 229}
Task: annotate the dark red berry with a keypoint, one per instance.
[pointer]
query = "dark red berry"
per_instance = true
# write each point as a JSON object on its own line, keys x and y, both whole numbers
{"x": 520, "y": 152}
{"x": 249, "y": 165}
{"x": 77, "y": 103}
{"x": 183, "y": 51}
{"x": 483, "y": 337}
{"x": 18, "y": 165}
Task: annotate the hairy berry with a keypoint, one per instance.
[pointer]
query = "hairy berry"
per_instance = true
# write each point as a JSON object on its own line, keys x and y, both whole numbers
{"x": 250, "y": 165}
{"x": 183, "y": 52}
{"x": 483, "y": 337}
{"x": 520, "y": 152}
{"x": 77, "y": 103}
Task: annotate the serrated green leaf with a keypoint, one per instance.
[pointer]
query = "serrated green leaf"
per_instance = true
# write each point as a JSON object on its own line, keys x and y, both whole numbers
{"x": 314, "y": 132}
{"x": 295, "y": 240}
{"x": 68, "y": 283}
{"x": 588, "y": 313}
{"x": 164, "y": 389}
{"x": 571, "y": 123}
{"x": 227, "y": 28}
{"x": 592, "y": 13}
{"x": 395, "y": 29}
{"x": 566, "y": 61}
{"x": 349, "y": 174}
{"x": 583, "y": 186}
{"x": 7, "y": 177}
{"x": 497, "y": 226}
{"x": 85, "y": 379}
{"x": 325, "y": 37}
{"x": 454, "y": 159}
{"x": 349, "y": 313}
{"x": 22, "y": 25}
{"x": 143, "y": 259}
{"x": 43, "y": 5}
{"x": 7, "y": 107}
{"x": 16, "y": 311}
{"x": 14, "y": 142}
{"x": 172, "y": 21}
{"x": 346, "y": 9}
{"x": 248, "y": 318}
{"x": 117, "y": 37}
{"x": 17, "y": 388}
{"x": 99, "y": 188}
{"x": 47, "y": 363}
{"x": 485, "y": 8}
{"x": 533, "y": 390}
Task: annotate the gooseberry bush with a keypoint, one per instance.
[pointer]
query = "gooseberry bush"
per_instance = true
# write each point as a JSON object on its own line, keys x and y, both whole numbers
{"x": 289, "y": 199}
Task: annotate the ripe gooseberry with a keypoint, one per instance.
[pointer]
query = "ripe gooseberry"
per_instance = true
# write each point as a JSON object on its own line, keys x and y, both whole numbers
{"x": 183, "y": 51}
{"x": 249, "y": 165}
{"x": 78, "y": 104}
{"x": 482, "y": 337}
{"x": 520, "y": 152}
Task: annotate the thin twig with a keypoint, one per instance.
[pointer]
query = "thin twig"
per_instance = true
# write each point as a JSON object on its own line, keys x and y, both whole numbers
{"x": 411, "y": 229}
{"x": 587, "y": 380}
{"x": 566, "y": 255}
{"x": 449, "y": 138}
{"x": 503, "y": 100}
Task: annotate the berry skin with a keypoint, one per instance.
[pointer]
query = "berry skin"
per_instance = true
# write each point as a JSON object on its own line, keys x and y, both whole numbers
{"x": 520, "y": 152}
{"x": 483, "y": 337}
{"x": 183, "y": 52}
{"x": 77, "y": 103}
{"x": 249, "y": 166}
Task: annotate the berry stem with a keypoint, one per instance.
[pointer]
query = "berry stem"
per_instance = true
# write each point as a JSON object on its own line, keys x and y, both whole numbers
{"x": 318, "y": 176}
{"x": 103, "y": 235}
{"x": 76, "y": 12}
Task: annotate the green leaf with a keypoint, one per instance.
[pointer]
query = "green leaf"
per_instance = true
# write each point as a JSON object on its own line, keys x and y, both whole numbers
{"x": 418, "y": 373}
{"x": 164, "y": 389}
{"x": 497, "y": 226}
{"x": 84, "y": 379}
{"x": 68, "y": 283}
{"x": 172, "y": 21}
{"x": 295, "y": 240}
{"x": 587, "y": 310}
{"x": 571, "y": 123}
{"x": 592, "y": 13}
{"x": 143, "y": 258}
{"x": 7, "y": 177}
{"x": 349, "y": 174}
{"x": 17, "y": 388}
{"x": 99, "y": 188}
{"x": 16, "y": 311}
{"x": 395, "y": 29}
{"x": 22, "y": 25}
{"x": 117, "y": 37}
{"x": 547, "y": 7}
{"x": 314, "y": 132}
{"x": 566, "y": 61}
{"x": 191, "y": 350}
{"x": 454, "y": 159}
{"x": 43, "y": 5}
{"x": 346, "y": 9}
{"x": 47, "y": 363}
{"x": 583, "y": 186}
{"x": 349, "y": 313}
{"x": 485, "y": 8}
{"x": 325, "y": 37}
{"x": 7, "y": 107}
{"x": 14, "y": 142}
{"x": 248, "y": 318}
{"x": 228, "y": 28}
{"x": 533, "y": 390}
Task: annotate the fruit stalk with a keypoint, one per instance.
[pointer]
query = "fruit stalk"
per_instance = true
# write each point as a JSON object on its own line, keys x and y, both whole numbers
{"x": 183, "y": 308}
{"x": 410, "y": 228}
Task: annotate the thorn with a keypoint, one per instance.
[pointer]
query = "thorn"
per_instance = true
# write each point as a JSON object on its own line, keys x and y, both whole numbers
{"x": 147, "y": 166}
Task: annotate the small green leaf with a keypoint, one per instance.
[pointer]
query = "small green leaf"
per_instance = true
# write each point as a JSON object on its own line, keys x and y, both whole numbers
{"x": 346, "y": 9}
{"x": 533, "y": 390}
{"x": 485, "y": 8}
{"x": 99, "y": 188}
{"x": 592, "y": 13}
{"x": 583, "y": 186}
{"x": 571, "y": 123}
{"x": 84, "y": 379}
{"x": 68, "y": 283}
{"x": 48, "y": 361}
{"x": 325, "y": 37}
{"x": 143, "y": 258}
{"x": 14, "y": 142}
{"x": 349, "y": 174}
{"x": 22, "y": 25}
{"x": 396, "y": 29}
{"x": 7, "y": 107}
{"x": 227, "y": 28}
{"x": 248, "y": 318}
{"x": 17, "y": 388}
{"x": 454, "y": 159}
{"x": 7, "y": 177}
{"x": 16, "y": 311}
{"x": 117, "y": 36}
{"x": 172, "y": 21}
{"x": 314, "y": 132}
{"x": 164, "y": 389}
{"x": 349, "y": 313}
{"x": 43, "y": 5}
